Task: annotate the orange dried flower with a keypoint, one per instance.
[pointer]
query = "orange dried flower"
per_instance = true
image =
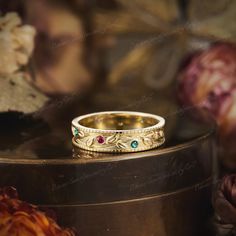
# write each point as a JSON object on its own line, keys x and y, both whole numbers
{"x": 20, "y": 218}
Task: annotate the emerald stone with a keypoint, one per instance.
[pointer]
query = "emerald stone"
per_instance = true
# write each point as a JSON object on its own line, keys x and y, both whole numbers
{"x": 134, "y": 144}
{"x": 76, "y": 132}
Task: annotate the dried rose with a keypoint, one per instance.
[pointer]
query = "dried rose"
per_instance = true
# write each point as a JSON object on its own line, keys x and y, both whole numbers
{"x": 224, "y": 200}
{"x": 20, "y": 218}
{"x": 208, "y": 81}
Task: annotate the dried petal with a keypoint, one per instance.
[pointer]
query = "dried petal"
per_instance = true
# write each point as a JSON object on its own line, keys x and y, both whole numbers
{"x": 21, "y": 218}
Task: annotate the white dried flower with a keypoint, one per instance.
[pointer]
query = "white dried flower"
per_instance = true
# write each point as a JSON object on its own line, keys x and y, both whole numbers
{"x": 16, "y": 43}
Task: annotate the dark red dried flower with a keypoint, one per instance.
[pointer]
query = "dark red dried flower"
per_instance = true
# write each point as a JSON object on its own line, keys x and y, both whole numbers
{"x": 224, "y": 200}
{"x": 208, "y": 81}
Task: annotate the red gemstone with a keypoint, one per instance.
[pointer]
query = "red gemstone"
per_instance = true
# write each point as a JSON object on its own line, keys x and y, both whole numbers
{"x": 100, "y": 139}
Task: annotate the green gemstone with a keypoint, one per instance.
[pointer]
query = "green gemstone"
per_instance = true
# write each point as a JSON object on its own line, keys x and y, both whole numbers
{"x": 134, "y": 144}
{"x": 76, "y": 132}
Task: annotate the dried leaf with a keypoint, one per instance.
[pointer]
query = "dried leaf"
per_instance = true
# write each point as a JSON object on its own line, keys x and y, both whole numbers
{"x": 213, "y": 19}
{"x": 153, "y": 11}
{"x": 119, "y": 23}
{"x": 18, "y": 94}
{"x": 150, "y": 60}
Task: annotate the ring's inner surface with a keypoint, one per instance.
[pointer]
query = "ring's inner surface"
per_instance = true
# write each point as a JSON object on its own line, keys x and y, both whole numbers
{"x": 118, "y": 121}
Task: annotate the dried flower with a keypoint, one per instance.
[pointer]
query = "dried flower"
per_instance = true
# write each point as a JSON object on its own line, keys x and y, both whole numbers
{"x": 16, "y": 43}
{"x": 20, "y": 218}
{"x": 208, "y": 81}
{"x": 224, "y": 200}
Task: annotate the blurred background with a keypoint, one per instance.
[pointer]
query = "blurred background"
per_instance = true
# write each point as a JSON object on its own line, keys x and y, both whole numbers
{"x": 63, "y": 58}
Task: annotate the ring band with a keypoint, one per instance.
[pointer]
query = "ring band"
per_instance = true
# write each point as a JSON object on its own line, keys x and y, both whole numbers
{"x": 118, "y": 131}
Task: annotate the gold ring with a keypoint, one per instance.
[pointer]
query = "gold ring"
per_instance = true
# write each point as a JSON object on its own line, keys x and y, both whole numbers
{"x": 118, "y": 131}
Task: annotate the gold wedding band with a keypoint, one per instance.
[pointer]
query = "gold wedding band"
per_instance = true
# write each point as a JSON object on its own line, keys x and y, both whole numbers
{"x": 118, "y": 131}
